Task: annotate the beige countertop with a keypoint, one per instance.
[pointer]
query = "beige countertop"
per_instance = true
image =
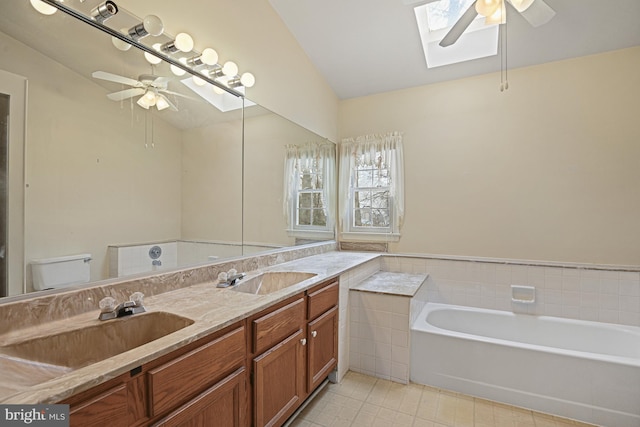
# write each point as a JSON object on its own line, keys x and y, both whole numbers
{"x": 384, "y": 282}
{"x": 210, "y": 308}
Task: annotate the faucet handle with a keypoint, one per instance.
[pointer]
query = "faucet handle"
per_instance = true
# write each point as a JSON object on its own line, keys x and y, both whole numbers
{"x": 107, "y": 304}
{"x": 137, "y": 298}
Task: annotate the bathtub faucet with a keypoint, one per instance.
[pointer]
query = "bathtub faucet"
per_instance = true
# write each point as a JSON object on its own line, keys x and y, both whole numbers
{"x": 109, "y": 309}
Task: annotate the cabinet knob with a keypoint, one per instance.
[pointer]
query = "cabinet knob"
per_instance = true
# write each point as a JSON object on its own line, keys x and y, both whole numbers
{"x": 314, "y": 333}
{"x": 303, "y": 341}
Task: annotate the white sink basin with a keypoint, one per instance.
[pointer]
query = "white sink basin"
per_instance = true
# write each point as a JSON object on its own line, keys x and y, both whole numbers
{"x": 271, "y": 281}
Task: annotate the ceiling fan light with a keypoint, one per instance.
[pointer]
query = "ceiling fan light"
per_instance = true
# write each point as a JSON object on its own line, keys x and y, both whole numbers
{"x": 498, "y": 17}
{"x": 521, "y": 5}
{"x": 143, "y": 103}
{"x": 487, "y": 8}
{"x": 43, "y": 8}
{"x": 162, "y": 103}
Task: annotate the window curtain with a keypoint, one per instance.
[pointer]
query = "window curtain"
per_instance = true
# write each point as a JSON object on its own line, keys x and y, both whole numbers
{"x": 306, "y": 156}
{"x": 363, "y": 149}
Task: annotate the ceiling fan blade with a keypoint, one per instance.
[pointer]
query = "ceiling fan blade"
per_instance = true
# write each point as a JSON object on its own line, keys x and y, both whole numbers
{"x": 103, "y": 75}
{"x": 460, "y": 26}
{"x": 124, "y": 94}
{"x": 539, "y": 13}
{"x": 170, "y": 92}
{"x": 162, "y": 81}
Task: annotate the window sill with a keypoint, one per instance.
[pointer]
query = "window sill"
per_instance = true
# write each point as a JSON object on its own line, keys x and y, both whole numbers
{"x": 370, "y": 237}
{"x": 311, "y": 234}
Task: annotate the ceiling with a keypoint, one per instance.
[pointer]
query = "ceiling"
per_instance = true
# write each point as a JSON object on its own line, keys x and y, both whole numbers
{"x": 363, "y": 47}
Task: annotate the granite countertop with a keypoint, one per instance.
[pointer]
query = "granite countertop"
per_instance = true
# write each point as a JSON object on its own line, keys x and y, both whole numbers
{"x": 384, "y": 282}
{"x": 211, "y": 309}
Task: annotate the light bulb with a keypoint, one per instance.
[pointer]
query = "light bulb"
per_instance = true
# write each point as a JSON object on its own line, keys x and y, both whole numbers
{"x": 230, "y": 69}
{"x": 162, "y": 103}
{"x": 119, "y": 44}
{"x": 184, "y": 42}
{"x": 218, "y": 91}
{"x": 150, "y": 25}
{"x": 152, "y": 59}
{"x": 43, "y": 8}
{"x": 487, "y": 7}
{"x": 247, "y": 79}
{"x": 150, "y": 98}
{"x": 143, "y": 103}
{"x": 209, "y": 56}
{"x": 198, "y": 81}
{"x": 179, "y": 71}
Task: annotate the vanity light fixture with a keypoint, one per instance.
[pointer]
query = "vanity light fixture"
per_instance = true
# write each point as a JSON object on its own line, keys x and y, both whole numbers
{"x": 230, "y": 69}
{"x": 177, "y": 70}
{"x": 119, "y": 44}
{"x": 182, "y": 43}
{"x": 246, "y": 80}
{"x": 104, "y": 11}
{"x": 150, "y": 25}
{"x": 207, "y": 57}
{"x": 43, "y": 8}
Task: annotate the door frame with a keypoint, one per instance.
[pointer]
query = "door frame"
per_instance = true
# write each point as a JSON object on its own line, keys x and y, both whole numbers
{"x": 16, "y": 87}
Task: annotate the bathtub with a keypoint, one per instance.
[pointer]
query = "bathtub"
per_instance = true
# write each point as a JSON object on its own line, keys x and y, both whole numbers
{"x": 587, "y": 371}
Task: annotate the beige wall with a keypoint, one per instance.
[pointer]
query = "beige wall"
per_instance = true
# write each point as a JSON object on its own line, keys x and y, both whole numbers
{"x": 548, "y": 170}
{"x": 89, "y": 183}
{"x": 253, "y": 35}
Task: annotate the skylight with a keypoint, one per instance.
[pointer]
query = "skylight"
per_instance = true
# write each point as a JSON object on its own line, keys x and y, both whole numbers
{"x": 435, "y": 19}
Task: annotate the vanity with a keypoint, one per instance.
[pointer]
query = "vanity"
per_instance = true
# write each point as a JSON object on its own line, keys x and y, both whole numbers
{"x": 228, "y": 355}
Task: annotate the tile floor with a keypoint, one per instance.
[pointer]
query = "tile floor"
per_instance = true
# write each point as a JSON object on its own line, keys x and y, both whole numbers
{"x": 361, "y": 400}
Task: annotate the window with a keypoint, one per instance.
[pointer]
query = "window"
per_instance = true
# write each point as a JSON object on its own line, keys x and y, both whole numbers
{"x": 372, "y": 202}
{"x": 309, "y": 182}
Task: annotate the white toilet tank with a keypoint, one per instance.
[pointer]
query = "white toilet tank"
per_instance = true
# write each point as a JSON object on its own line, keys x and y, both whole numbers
{"x": 53, "y": 273}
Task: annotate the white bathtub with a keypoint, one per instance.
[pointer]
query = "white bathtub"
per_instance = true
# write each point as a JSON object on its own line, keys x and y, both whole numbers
{"x": 587, "y": 371}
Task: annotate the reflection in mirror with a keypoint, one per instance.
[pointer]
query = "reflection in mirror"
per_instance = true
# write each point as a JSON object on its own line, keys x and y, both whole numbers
{"x": 289, "y": 183}
{"x": 126, "y": 189}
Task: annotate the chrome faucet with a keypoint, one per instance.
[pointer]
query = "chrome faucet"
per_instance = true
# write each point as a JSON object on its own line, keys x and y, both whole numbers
{"x": 229, "y": 279}
{"x": 109, "y": 309}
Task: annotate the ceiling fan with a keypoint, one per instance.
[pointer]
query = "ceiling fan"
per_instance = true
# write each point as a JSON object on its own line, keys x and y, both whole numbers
{"x": 151, "y": 89}
{"x": 536, "y": 12}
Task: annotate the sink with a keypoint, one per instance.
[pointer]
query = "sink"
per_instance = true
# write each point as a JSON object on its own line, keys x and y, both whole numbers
{"x": 82, "y": 347}
{"x": 271, "y": 281}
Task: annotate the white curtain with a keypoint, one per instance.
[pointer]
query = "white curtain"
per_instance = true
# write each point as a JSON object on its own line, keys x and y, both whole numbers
{"x": 364, "y": 149}
{"x": 307, "y": 156}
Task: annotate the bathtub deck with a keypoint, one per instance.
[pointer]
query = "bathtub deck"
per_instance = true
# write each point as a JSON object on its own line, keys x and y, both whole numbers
{"x": 361, "y": 400}
{"x": 384, "y": 282}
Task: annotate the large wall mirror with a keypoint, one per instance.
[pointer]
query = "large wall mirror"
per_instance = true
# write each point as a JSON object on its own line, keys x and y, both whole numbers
{"x": 135, "y": 190}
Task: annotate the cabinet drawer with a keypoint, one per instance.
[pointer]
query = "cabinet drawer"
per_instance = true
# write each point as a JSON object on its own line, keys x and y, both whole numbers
{"x": 272, "y": 328}
{"x": 176, "y": 381}
{"x": 323, "y": 299}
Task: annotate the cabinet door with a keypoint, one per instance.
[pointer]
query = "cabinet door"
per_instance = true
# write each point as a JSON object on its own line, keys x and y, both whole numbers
{"x": 323, "y": 347}
{"x": 107, "y": 409}
{"x": 279, "y": 381}
{"x": 222, "y": 405}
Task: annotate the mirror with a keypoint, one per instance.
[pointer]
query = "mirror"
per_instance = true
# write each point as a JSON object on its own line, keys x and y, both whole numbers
{"x": 135, "y": 190}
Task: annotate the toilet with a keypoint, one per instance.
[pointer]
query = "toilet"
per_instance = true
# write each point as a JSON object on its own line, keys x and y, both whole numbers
{"x": 60, "y": 272}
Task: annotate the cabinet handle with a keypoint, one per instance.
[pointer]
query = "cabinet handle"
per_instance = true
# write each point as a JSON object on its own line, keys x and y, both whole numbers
{"x": 314, "y": 333}
{"x": 303, "y": 341}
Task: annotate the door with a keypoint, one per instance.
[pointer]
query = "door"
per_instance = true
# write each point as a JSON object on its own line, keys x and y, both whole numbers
{"x": 323, "y": 347}
{"x": 13, "y": 91}
{"x": 279, "y": 381}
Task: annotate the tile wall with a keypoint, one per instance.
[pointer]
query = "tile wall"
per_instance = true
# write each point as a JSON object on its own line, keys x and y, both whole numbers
{"x": 379, "y": 335}
{"x": 576, "y": 292}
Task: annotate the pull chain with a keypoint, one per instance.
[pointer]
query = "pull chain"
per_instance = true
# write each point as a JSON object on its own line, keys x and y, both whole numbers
{"x": 504, "y": 66}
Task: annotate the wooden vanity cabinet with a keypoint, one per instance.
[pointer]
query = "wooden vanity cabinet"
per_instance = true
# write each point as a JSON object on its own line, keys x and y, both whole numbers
{"x": 201, "y": 384}
{"x": 322, "y": 332}
{"x": 294, "y": 347}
